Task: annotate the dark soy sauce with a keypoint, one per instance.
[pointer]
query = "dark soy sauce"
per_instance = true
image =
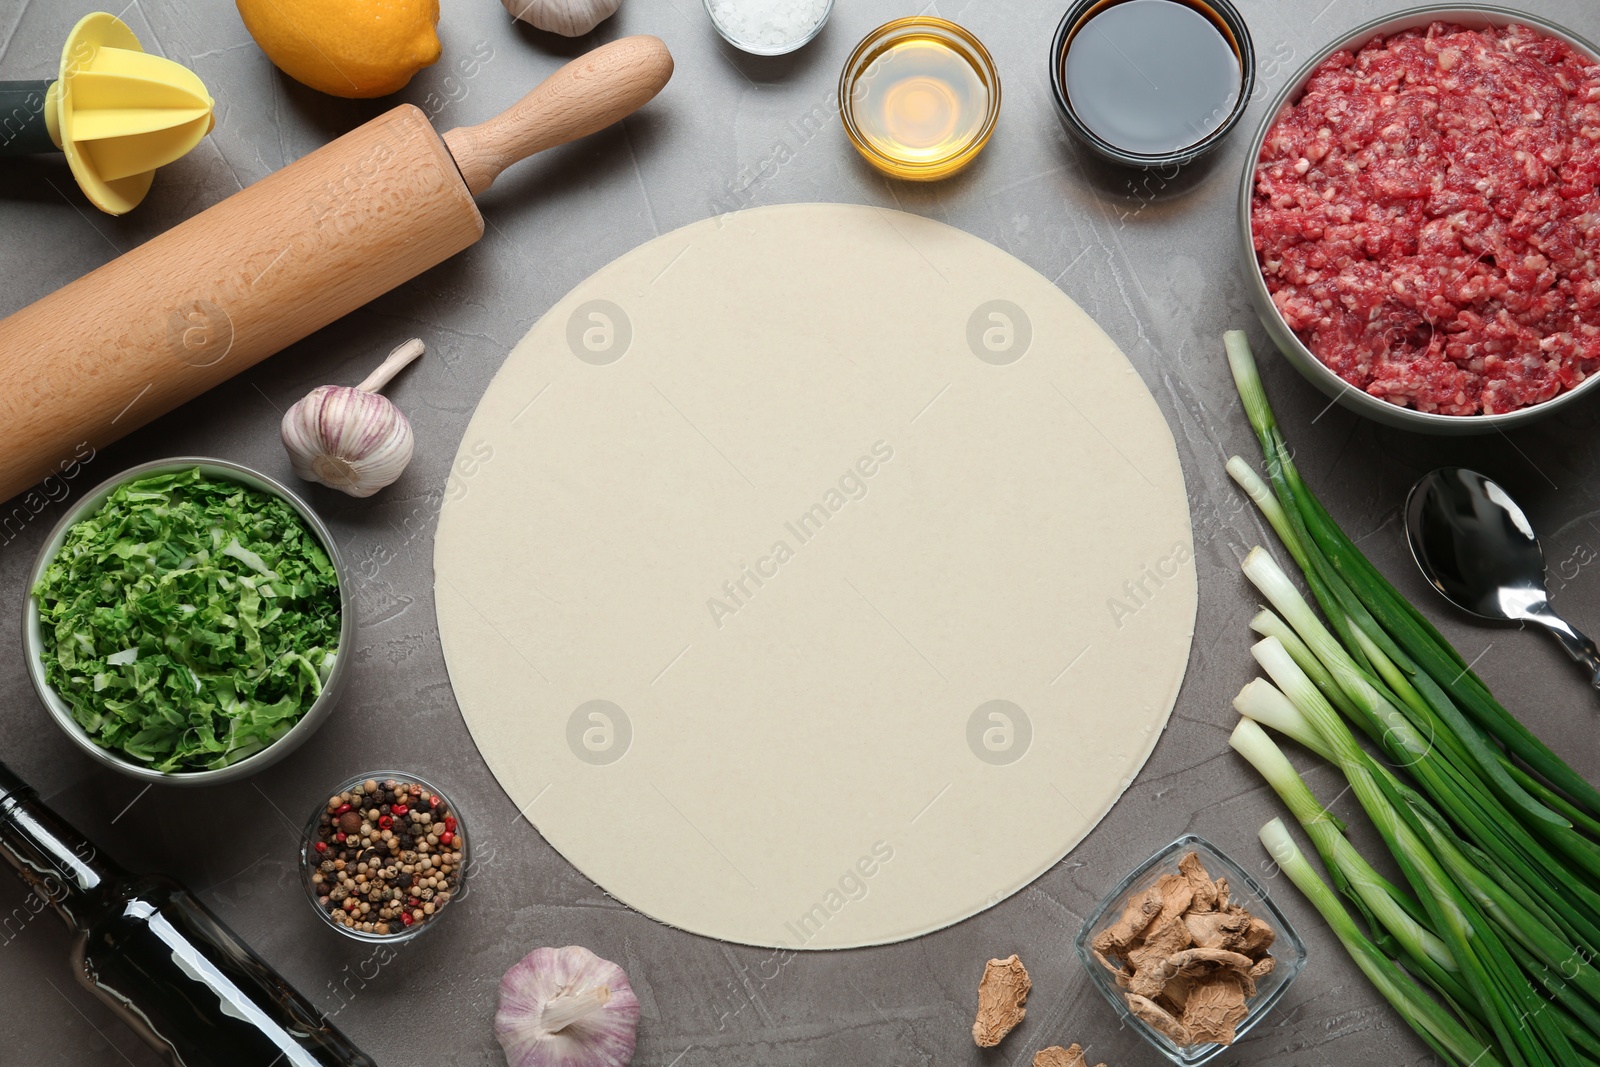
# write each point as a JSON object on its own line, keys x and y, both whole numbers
{"x": 1151, "y": 76}
{"x": 163, "y": 963}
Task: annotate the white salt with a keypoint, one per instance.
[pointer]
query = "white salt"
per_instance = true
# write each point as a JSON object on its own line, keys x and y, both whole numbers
{"x": 767, "y": 25}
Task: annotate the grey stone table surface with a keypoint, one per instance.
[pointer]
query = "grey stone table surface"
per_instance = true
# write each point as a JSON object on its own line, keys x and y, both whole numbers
{"x": 1154, "y": 262}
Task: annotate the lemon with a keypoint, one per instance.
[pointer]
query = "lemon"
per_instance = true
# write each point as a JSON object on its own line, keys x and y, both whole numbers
{"x": 350, "y": 48}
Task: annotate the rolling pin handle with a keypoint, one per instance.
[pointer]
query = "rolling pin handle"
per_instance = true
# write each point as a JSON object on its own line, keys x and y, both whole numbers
{"x": 585, "y": 96}
{"x": 24, "y": 126}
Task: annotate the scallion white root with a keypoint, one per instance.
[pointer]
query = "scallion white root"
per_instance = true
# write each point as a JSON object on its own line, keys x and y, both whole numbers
{"x": 1260, "y": 700}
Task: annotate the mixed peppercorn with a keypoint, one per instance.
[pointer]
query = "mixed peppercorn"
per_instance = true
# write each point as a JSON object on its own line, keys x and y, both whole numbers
{"x": 387, "y": 856}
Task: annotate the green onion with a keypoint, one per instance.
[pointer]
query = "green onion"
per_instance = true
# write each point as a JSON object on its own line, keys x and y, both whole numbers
{"x": 1497, "y": 839}
{"x": 1437, "y": 1026}
{"x": 1432, "y": 652}
{"x": 1252, "y": 742}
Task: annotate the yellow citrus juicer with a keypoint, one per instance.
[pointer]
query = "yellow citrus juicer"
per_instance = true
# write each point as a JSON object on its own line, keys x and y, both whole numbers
{"x": 117, "y": 112}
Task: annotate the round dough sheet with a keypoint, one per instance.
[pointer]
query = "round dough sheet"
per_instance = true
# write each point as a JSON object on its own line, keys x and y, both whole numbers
{"x": 815, "y": 576}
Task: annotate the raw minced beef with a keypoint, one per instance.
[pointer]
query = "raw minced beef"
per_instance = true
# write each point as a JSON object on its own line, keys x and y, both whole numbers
{"x": 1426, "y": 217}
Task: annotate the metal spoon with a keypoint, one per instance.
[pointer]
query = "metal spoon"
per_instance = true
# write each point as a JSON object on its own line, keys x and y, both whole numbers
{"x": 1476, "y": 547}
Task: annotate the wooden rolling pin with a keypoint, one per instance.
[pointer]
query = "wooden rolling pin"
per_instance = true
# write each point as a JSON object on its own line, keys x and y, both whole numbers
{"x": 277, "y": 261}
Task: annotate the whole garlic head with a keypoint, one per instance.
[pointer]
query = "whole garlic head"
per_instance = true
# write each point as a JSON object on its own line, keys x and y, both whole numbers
{"x": 350, "y": 438}
{"x": 566, "y": 1007}
{"x": 570, "y": 18}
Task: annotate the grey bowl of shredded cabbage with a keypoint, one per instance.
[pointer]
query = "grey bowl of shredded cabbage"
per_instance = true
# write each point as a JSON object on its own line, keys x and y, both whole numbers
{"x": 186, "y": 622}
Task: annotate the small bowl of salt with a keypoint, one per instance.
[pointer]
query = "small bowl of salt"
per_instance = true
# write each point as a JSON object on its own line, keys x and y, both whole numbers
{"x": 768, "y": 27}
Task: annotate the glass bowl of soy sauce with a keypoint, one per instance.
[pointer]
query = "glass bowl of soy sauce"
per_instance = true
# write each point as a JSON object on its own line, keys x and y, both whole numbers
{"x": 1152, "y": 84}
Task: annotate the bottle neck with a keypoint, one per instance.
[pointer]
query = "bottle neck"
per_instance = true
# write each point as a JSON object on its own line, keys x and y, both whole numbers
{"x": 60, "y": 865}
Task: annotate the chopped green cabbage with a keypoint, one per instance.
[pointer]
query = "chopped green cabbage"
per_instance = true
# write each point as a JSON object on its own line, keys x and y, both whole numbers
{"x": 189, "y": 622}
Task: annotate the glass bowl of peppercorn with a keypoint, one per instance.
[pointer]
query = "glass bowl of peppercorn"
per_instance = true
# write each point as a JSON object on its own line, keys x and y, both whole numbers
{"x": 383, "y": 856}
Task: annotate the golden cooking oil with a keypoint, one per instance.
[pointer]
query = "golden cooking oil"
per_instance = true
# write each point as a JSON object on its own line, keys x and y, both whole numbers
{"x": 920, "y": 103}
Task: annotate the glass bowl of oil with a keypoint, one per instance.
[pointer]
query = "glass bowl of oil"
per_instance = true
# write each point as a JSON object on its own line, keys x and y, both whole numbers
{"x": 919, "y": 98}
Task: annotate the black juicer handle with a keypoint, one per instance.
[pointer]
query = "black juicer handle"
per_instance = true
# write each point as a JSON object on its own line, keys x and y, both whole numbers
{"x": 23, "y": 129}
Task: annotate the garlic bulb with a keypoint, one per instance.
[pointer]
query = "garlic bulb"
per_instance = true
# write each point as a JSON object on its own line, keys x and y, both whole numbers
{"x": 566, "y": 1007}
{"x": 570, "y": 18}
{"x": 348, "y": 437}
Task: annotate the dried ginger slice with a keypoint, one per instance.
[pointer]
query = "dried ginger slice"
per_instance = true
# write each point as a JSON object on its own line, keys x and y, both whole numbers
{"x": 1217, "y": 929}
{"x": 1176, "y": 895}
{"x": 1224, "y": 957}
{"x": 1056, "y": 1056}
{"x": 1257, "y": 938}
{"x": 1167, "y": 936}
{"x": 1121, "y": 974}
{"x": 1189, "y": 956}
{"x": 1159, "y": 1019}
{"x": 1001, "y": 995}
{"x": 1205, "y": 890}
{"x": 1215, "y": 1008}
{"x": 1176, "y": 993}
{"x": 1202, "y": 963}
{"x": 1136, "y": 917}
{"x": 1151, "y": 978}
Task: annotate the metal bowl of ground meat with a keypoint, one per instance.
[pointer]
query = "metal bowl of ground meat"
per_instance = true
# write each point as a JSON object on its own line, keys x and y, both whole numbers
{"x": 1420, "y": 219}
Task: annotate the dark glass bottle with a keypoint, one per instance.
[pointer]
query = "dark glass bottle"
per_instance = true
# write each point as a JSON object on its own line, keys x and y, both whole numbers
{"x": 152, "y": 952}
